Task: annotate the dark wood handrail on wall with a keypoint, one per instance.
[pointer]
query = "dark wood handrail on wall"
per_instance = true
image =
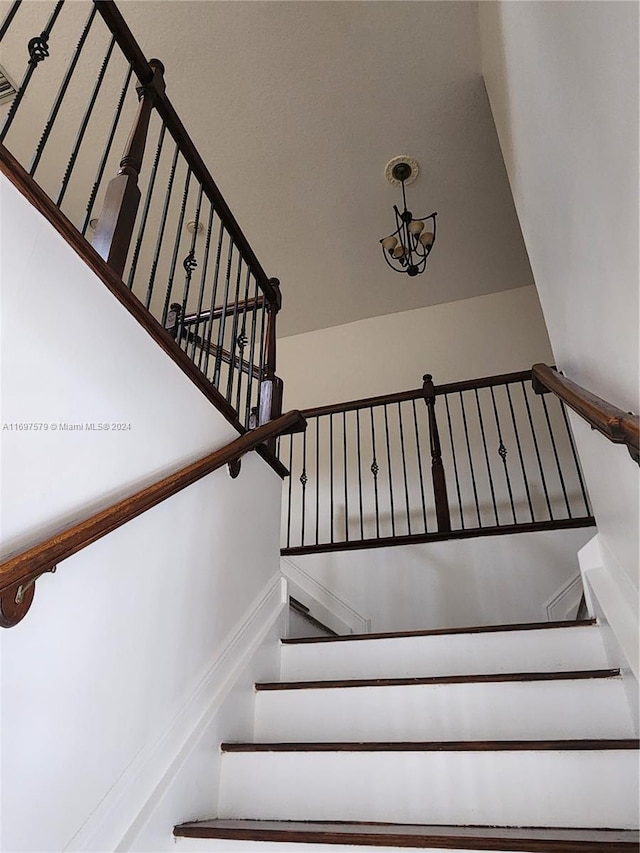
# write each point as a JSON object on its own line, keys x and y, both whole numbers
{"x": 19, "y": 573}
{"x": 618, "y": 426}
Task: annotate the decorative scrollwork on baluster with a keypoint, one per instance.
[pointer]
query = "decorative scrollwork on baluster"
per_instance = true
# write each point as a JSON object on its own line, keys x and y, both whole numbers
{"x": 38, "y": 48}
{"x": 375, "y": 468}
{"x": 304, "y": 479}
{"x": 242, "y": 340}
{"x": 502, "y": 452}
{"x": 190, "y": 263}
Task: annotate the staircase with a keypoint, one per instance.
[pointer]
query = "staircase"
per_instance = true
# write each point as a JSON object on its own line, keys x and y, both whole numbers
{"x": 511, "y": 738}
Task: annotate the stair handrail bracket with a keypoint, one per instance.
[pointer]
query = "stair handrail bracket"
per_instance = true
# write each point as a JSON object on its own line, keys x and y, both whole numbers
{"x": 19, "y": 573}
{"x": 618, "y": 426}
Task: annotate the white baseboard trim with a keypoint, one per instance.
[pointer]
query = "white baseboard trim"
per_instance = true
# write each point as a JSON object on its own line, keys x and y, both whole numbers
{"x": 564, "y": 603}
{"x": 613, "y": 599}
{"x": 127, "y": 806}
{"x": 328, "y": 607}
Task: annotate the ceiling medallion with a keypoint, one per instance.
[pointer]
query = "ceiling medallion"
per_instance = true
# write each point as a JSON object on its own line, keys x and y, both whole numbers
{"x": 407, "y": 248}
{"x": 391, "y": 171}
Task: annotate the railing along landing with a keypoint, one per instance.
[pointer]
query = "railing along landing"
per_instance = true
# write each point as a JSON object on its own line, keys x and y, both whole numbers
{"x": 92, "y": 138}
{"x": 475, "y": 458}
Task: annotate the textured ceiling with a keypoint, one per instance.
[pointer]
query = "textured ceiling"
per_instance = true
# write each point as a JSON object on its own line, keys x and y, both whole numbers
{"x": 297, "y": 106}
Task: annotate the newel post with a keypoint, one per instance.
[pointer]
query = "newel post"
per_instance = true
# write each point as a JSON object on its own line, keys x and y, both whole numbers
{"x": 437, "y": 469}
{"x": 271, "y": 385}
{"x": 115, "y": 226}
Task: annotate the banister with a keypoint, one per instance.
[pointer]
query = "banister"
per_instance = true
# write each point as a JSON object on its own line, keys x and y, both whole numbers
{"x": 618, "y": 426}
{"x": 502, "y": 461}
{"x": 21, "y": 570}
{"x": 417, "y": 393}
{"x": 129, "y": 46}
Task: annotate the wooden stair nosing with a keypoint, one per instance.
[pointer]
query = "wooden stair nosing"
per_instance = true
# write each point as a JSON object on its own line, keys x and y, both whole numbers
{"x": 569, "y": 675}
{"x": 545, "y": 840}
{"x": 433, "y": 632}
{"x": 437, "y": 746}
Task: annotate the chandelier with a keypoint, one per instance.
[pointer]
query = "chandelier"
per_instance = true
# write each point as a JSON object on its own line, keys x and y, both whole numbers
{"x": 406, "y": 249}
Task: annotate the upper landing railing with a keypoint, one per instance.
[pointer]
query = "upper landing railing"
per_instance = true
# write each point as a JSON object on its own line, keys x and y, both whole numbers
{"x": 74, "y": 141}
{"x": 474, "y": 458}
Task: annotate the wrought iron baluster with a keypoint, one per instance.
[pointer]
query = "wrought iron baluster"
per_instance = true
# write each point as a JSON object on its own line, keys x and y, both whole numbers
{"x": 291, "y": 437}
{"x": 107, "y": 149}
{"x": 455, "y": 463}
{"x": 521, "y": 457}
{"x": 176, "y": 245}
{"x": 317, "y": 476}
{"x": 473, "y": 478}
{"x": 556, "y": 457}
{"x": 242, "y": 341}
{"x": 214, "y": 293}
{"x": 252, "y": 349}
{"x": 404, "y": 469}
{"x": 502, "y": 452}
{"x": 346, "y": 485}
{"x": 419, "y": 455}
{"x": 198, "y": 339}
{"x": 147, "y": 205}
{"x": 386, "y": 432}
{"x": 233, "y": 343}
{"x": 85, "y": 122}
{"x": 163, "y": 223}
{"x": 304, "y": 480}
{"x": 535, "y": 445}
{"x": 38, "y": 48}
{"x": 374, "y": 470}
{"x": 61, "y": 92}
{"x": 331, "y": 469}
{"x": 189, "y": 264}
{"x": 575, "y": 458}
{"x": 486, "y": 456}
{"x": 223, "y": 318}
{"x": 359, "y": 456}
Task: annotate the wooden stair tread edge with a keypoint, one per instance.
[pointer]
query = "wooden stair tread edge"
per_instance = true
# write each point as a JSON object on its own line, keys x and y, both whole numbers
{"x": 408, "y": 681}
{"x": 561, "y": 745}
{"x": 545, "y": 840}
{"x": 432, "y": 632}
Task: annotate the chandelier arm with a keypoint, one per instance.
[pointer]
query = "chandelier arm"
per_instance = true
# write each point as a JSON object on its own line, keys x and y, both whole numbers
{"x": 389, "y": 262}
{"x": 424, "y": 218}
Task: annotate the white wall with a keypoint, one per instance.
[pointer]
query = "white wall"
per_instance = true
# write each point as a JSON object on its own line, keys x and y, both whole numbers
{"x": 486, "y": 581}
{"x": 562, "y": 80}
{"x": 128, "y": 644}
{"x": 460, "y": 340}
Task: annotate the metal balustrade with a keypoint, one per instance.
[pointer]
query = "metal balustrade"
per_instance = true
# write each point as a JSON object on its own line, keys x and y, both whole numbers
{"x": 457, "y": 460}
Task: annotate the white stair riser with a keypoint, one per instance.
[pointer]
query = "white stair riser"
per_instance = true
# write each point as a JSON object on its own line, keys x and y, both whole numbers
{"x": 590, "y": 708}
{"x": 590, "y": 788}
{"x": 542, "y": 650}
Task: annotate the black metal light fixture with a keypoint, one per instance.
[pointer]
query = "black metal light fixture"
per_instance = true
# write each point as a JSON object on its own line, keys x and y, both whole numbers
{"x": 406, "y": 249}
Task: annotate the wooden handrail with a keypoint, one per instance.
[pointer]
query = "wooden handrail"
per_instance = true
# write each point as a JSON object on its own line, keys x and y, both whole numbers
{"x": 417, "y": 394}
{"x": 618, "y": 426}
{"x": 220, "y": 310}
{"x": 22, "y": 569}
